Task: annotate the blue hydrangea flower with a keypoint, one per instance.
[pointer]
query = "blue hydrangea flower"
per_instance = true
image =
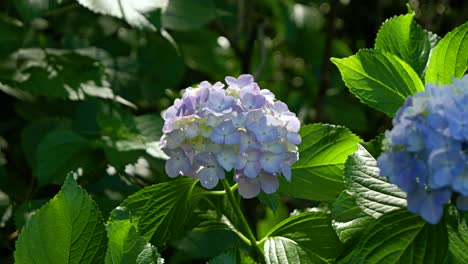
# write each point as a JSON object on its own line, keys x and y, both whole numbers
{"x": 426, "y": 152}
{"x": 211, "y": 130}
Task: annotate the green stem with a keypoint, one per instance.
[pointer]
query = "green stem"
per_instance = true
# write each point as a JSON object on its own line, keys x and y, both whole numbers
{"x": 243, "y": 221}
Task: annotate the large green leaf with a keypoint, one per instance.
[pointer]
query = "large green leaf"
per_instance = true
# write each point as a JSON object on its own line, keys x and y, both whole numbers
{"x": 349, "y": 220}
{"x": 449, "y": 58}
{"x": 401, "y": 237}
{"x": 160, "y": 211}
{"x": 379, "y": 79}
{"x": 374, "y": 195}
{"x": 68, "y": 229}
{"x": 282, "y": 250}
{"x": 140, "y": 14}
{"x": 458, "y": 242}
{"x": 60, "y": 152}
{"x": 126, "y": 245}
{"x": 308, "y": 237}
{"x": 402, "y": 36}
{"x": 188, "y": 14}
{"x": 318, "y": 175}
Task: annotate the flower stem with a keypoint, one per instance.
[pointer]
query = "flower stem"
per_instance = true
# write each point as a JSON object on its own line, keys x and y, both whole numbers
{"x": 243, "y": 221}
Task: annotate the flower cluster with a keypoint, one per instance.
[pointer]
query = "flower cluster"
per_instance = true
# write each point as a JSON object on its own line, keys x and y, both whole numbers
{"x": 426, "y": 152}
{"x": 211, "y": 130}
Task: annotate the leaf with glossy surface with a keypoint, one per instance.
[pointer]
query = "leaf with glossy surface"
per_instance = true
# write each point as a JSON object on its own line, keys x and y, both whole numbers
{"x": 318, "y": 175}
{"x": 309, "y": 235}
{"x": 135, "y": 13}
{"x": 160, "y": 211}
{"x": 68, "y": 229}
{"x": 449, "y": 58}
{"x": 374, "y": 195}
{"x": 379, "y": 79}
{"x": 401, "y": 237}
{"x": 402, "y": 36}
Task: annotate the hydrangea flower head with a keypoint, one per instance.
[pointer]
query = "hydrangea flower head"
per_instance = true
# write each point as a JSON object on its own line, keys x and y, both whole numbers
{"x": 426, "y": 152}
{"x": 211, "y": 130}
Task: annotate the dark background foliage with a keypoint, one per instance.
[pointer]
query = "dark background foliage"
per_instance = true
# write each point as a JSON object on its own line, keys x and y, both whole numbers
{"x": 83, "y": 90}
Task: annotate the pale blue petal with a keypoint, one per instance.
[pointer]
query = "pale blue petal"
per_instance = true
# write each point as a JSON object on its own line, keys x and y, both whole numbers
{"x": 248, "y": 188}
{"x": 268, "y": 182}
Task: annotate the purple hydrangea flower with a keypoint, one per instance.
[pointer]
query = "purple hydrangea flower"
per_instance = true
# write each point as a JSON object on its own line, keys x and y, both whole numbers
{"x": 243, "y": 128}
{"x": 426, "y": 152}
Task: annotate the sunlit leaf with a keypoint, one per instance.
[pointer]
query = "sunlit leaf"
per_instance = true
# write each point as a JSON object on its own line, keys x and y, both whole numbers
{"x": 318, "y": 175}
{"x": 307, "y": 237}
{"x": 379, "y": 79}
{"x": 136, "y": 13}
{"x": 68, "y": 229}
{"x": 402, "y": 36}
{"x": 450, "y": 57}
{"x": 373, "y": 193}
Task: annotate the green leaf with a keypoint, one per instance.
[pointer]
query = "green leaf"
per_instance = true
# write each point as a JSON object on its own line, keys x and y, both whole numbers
{"x": 349, "y": 220}
{"x": 458, "y": 242}
{"x": 138, "y": 14}
{"x": 402, "y": 36}
{"x": 126, "y": 245}
{"x": 60, "y": 152}
{"x": 163, "y": 59}
{"x": 379, "y": 79}
{"x": 54, "y": 73}
{"x": 229, "y": 257}
{"x": 11, "y": 35}
{"x": 68, "y": 229}
{"x": 201, "y": 52}
{"x": 188, "y": 14}
{"x": 308, "y": 235}
{"x": 374, "y": 195}
{"x": 30, "y": 9}
{"x": 272, "y": 218}
{"x": 160, "y": 211}
{"x": 25, "y": 211}
{"x": 198, "y": 242}
{"x": 374, "y": 146}
{"x": 449, "y": 58}
{"x": 318, "y": 175}
{"x": 401, "y": 237}
{"x": 33, "y": 134}
{"x": 282, "y": 250}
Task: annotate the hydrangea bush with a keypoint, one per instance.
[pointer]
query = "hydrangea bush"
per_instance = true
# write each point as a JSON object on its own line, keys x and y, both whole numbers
{"x": 400, "y": 197}
{"x": 212, "y": 130}
{"x": 426, "y": 152}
